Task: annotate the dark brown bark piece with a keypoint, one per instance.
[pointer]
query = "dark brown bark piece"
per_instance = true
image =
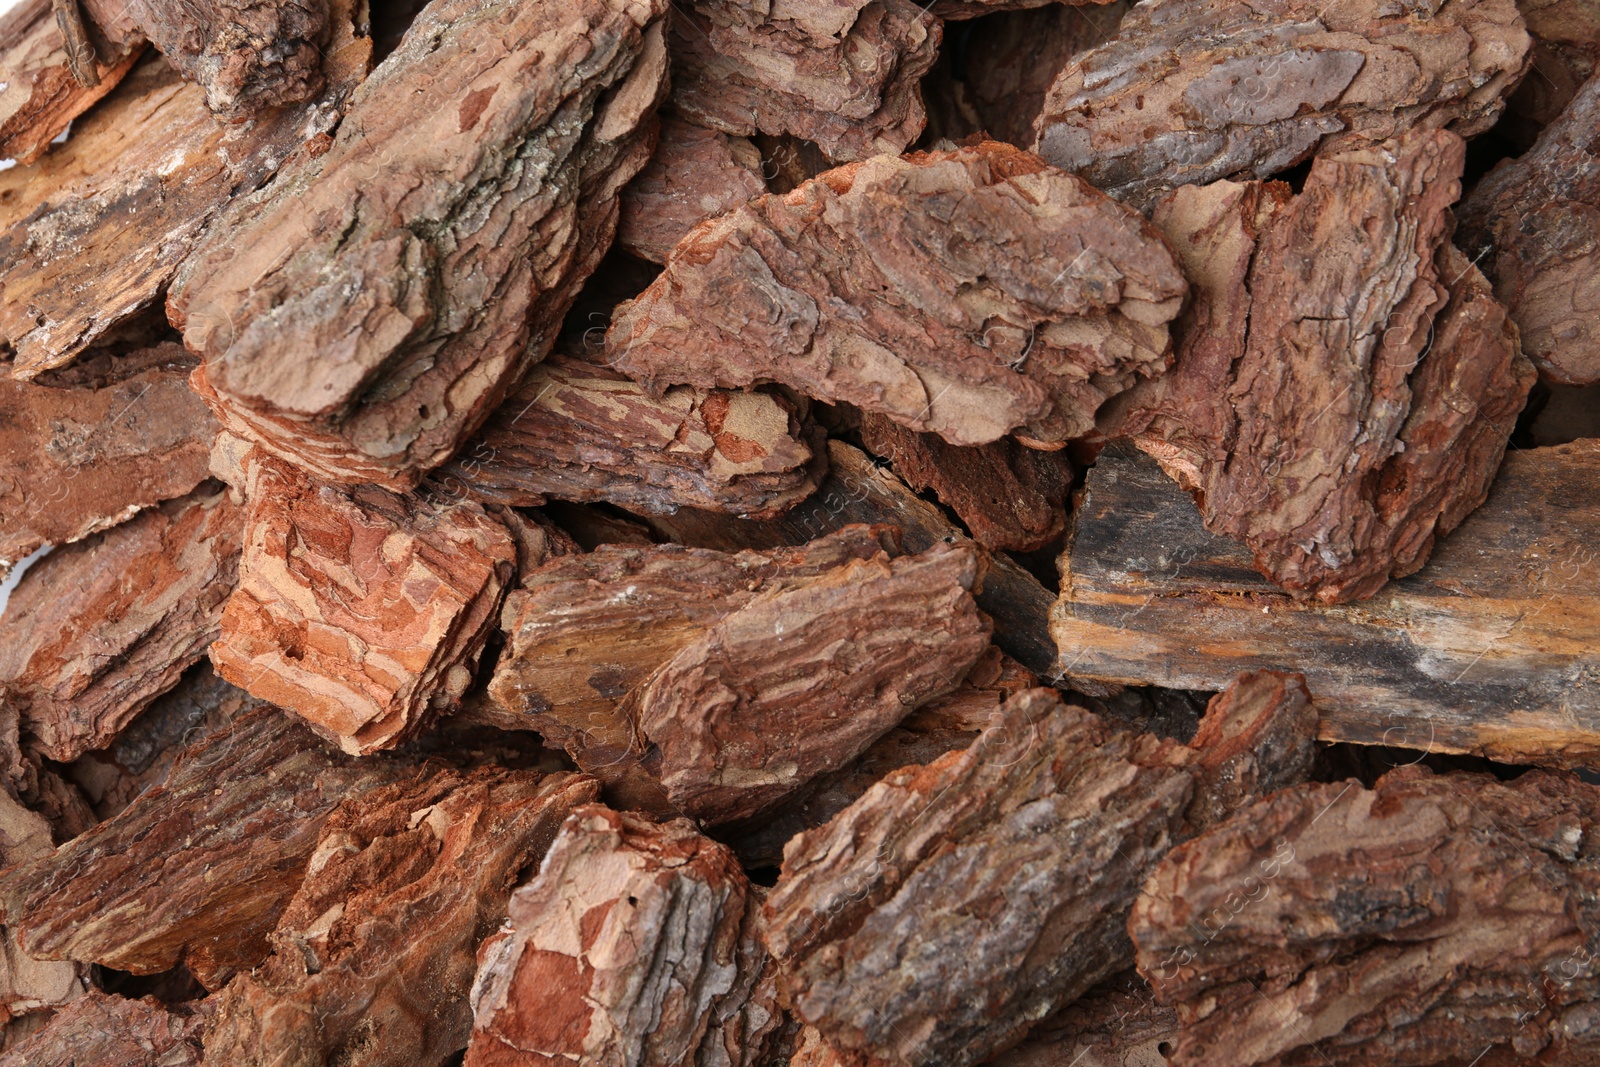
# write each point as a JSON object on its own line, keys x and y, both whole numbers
{"x": 1116, "y": 1024}
{"x": 969, "y": 293}
{"x": 103, "y": 1028}
{"x": 695, "y": 174}
{"x": 76, "y": 461}
{"x": 40, "y": 95}
{"x": 1345, "y": 383}
{"x": 1566, "y": 53}
{"x": 92, "y": 233}
{"x": 1191, "y": 91}
{"x": 843, "y": 75}
{"x": 373, "y": 958}
{"x": 801, "y": 680}
{"x": 98, "y": 629}
{"x": 1431, "y": 919}
{"x": 1535, "y": 221}
{"x": 1257, "y": 736}
{"x": 368, "y": 311}
{"x": 636, "y": 943}
{"x": 198, "y": 870}
{"x": 361, "y": 611}
{"x": 1488, "y": 649}
{"x": 1008, "y": 496}
{"x": 583, "y": 432}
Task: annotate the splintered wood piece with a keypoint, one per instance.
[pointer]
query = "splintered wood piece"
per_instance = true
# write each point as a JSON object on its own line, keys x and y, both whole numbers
{"x": 1430, "y": 919}
{"x": 1345, "y": 381}
{"x": 373, "y": 958}
{"x": 93, "y": 232}
{"x": 366, "y": 313}
{"x": 1489, "y": 649}
{"x": 103, "y": 1028}
{"x": 801, "y": 680}
{"x": 39, "y": 94}
{"x": 76, "y": 461}
{"x": 695, "y": 173}
{"x": 969, "y": 293}
{"x": 1010, "y": 497}
{"x": 198, "y": 870}
{"x": 97, "y": 630}
{"x": 859, "y": 491}
{"x": 583, "y": 432}
{"x": 842, "y": 74}
{"x": 1190, "y": 91}
{"x": 361, "y": 611}
{"x": 1534, "y": 221}
{"x": 635, "y": 943}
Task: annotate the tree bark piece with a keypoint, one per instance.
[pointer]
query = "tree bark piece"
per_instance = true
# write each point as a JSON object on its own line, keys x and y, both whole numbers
{"x": 41, "y": 96}
{"x": 362, "y": 612}
{"x": 76, "y": 461}
{"x": 583, "y": 432}
{"x": 1566, "y": 53}
{"x": 1363, "y": 410}
{"x": 1116, "y": 1024}
{"x": 1535, "y": 219}
{"x": 1189, "y": 91}
{"x": 104, "y": 1028}
{"x": 1257, "y": 736}
{"x": 969, "y": 293}
{"x": 800, "y": 681}
{"x": 695, "y": 174}
{"x": 92, "y": 233}
{"x": 842, "y": 75}
{"x": 373, "y": 958}
{"x": 97, "y": 630}
{"x": 428, "y": 255}
{"x": 636, "y": 943}
{"x": 26, "y": 984}
{"x": 1430, "y": 919}
{"x": 1008, "y": 496}
{"x": 198, "y": 870}
{"x": 1487, "y": 650}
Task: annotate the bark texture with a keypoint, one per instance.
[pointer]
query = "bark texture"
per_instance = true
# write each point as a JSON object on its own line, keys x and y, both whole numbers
{"x": 1536, "y": 221}
{"x": 361, "y": 611}
{"x": 636, "y": 944}
{"x": 1566, "y": 53}
{"x": 365, "y": 314}
{"x": 1431, "y": 919}
{"x": 969, "y": 293}
{"x": 581, "y": 431}
{"x": 373, "y": 958}
{"x": 103, "y": 1028}
{"x": 1190, "y": 91}
{"x": 40, "y": 96}
{"x": 1346, "y": 383}
{"x": 695, "y": 173}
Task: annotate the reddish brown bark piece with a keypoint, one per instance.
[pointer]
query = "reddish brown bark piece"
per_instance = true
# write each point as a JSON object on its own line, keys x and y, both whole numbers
{"x": 97, "y": 630}
{"x": 584, "y": 432}
{"x": 636, "y": 943}
{"x": 694, "y": 174}
{"x": 1535, "y": 221}
{"x": 802, "y": 680}
{"x": 1116, "y": 1024}
{"x": 93, "y": 232}
{"x": 373, "y": 957}
{"x": 75, "y": 461}
{"x": 103, "y": 1028}
{"x": 1430, "y": 919}
{"x": 1008, "y": 496}
{"x": 968, "y": 293}
{"x": 361, "y": 611}
{"x": 39, "y": 96}
{"x": 1191, "y": 91}
{"x": 843, "y": 75}
{"x": 27, "y": 984}
{"x": 369, "y": 311}
{"x": 1566, "y": 53}
{"x": 1346, "y": 383}
{"x": 198, "y": 870}
{"x": 1257, "y": 736}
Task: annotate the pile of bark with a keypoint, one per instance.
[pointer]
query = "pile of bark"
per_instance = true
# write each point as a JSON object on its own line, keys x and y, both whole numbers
{"x": 843, "y": 534}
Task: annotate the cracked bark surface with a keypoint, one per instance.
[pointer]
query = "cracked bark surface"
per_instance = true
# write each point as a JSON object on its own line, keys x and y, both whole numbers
{"x": 636, "y": 943}
{"x": 426, "y": 255}
{"x": 696, "y": 173}
{"x": 1345, "y": 382}
{"x": 1189, "y": 92}
{"x": 41, "y": 96}
{"x": 106, "y": 1028}
{"x": 970, "y": 293}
